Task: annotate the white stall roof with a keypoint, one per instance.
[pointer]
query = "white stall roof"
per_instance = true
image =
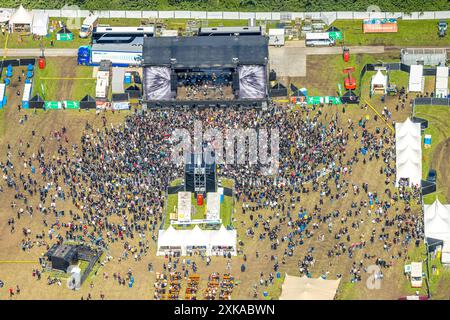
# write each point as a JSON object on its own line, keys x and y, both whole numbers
{"x": 212, "y": 206}
{"x": 117, "y": 80}
{"x": 416, "y": 80}
{"x": 40, "y": 23}
{"x": 2, "y": 91}
{"x": 441, "y": 82}
{"x": 184, "y": 206}
{"x": 26, "y": 92}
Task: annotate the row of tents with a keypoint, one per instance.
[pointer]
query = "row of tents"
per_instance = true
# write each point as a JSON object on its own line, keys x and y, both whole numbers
{"x": 37, "y": 102}
{"x": 23, "y": 20}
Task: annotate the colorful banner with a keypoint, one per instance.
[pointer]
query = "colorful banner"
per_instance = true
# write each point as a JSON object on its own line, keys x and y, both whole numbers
{"x": 335, "y": 35}
{"x": 64, "y": 36}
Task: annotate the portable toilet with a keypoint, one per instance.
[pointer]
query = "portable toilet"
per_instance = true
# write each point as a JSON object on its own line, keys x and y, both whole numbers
{"x": 427, "y": 141}
{"x": 127, "y": 78}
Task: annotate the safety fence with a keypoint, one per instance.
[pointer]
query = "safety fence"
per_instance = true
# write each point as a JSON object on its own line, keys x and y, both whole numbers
{"x": 328, "y": 17}
{"x": 428, "y": 101}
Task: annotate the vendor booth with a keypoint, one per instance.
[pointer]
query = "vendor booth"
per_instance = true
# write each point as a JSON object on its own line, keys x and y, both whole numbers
{"x": 21, "y": 20}
{"x": 379, "y": 83}
{"x": 40, "y": 24}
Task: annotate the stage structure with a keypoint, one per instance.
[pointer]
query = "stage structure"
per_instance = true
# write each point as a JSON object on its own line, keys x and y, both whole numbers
{"x": 206, "y": 71}
{"x": 199, "y": 176}
{"x": 199, "y": 214}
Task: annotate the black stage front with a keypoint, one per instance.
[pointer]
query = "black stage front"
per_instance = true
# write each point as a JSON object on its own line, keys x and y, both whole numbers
{"x": 205, "y": 52}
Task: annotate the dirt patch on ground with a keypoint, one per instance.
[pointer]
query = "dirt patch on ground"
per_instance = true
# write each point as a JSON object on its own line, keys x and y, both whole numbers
{"x": 440, "y": 162}
{"x": 68, "y": 70}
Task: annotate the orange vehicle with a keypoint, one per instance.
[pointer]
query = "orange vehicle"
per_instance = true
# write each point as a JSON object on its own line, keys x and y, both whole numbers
{"x": 350, "y": 81}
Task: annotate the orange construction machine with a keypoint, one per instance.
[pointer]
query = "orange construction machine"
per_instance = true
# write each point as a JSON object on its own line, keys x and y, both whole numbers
{"x": 349, "y": 82}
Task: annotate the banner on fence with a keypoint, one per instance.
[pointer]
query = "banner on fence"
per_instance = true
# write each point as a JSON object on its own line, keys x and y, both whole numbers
{"x": 323, "y": 100}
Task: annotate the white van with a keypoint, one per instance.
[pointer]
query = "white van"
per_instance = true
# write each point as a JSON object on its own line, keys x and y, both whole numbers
{"x": 319, "y": 39}
{"x": 88, "y": 25}
{"x": 416, "y": 274}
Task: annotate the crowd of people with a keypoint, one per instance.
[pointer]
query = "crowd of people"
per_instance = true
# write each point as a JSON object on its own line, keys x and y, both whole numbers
{"x": 115, "y": 181}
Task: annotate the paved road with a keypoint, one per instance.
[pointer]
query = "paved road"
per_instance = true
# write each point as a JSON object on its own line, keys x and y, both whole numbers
{"x": 37, "y": 52}
{"x": 290, "y": 60}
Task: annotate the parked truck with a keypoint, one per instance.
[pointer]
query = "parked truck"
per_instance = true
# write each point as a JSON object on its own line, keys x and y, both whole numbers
{"x": 89, "y": 23}
{"x": 119, "y": 55}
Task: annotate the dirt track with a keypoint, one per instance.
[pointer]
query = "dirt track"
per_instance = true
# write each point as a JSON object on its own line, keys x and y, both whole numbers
{"x": 67, "y": 71}
{"x": 440, "y": 163}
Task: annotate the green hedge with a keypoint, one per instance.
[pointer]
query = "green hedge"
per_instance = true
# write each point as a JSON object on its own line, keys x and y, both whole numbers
{"x": 240, "y": 5}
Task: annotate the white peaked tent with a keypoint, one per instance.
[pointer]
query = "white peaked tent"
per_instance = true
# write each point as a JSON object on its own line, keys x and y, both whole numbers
{"x": 437, "y": 220}
{"x": 40, "y": 24}
{"x": 304, "y": 288}
{"x": 21, "y": 20}
{"x": 213, "y": 241}
{"x": 378, "y": 84}
{"x": 408, "y": 149}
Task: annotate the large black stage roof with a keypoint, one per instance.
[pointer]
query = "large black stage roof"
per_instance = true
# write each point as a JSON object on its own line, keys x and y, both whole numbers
{"x": 205, "y": 52}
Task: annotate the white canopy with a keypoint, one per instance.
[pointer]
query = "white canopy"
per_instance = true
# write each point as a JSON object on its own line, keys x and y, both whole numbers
{"x": 408, "y": 148}
{"x": 21, "y": 16}
{"x": 40, "y": 24}
{"x": 304, "y": 288}
{"x": 379, "y": 78}
{"x": 441, "y": 82}
{"x": 416, "y": 79}
{"x": 437, "y": 220}
{"x": 196, "y": 238}
{"x": 5, "y": 15}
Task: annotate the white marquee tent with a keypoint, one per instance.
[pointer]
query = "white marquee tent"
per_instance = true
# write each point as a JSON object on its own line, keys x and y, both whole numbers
{"x": 40, "y": 24}
{"x": 416, "y": 78}
{"x": 304, "y": 288}
{"x": 408, "y": 149}
{"x": 437, "y": 220}
{"x": 437, "y": 226}
{"x": 21, "y": 20}
{"x": 213, "y": 242}
{"x": 441, "y": 82}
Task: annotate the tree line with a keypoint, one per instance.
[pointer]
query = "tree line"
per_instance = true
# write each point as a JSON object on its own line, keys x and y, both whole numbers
{"x": 239, "y": 5}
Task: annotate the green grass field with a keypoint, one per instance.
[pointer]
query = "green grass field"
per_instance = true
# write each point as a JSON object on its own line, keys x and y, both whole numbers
{"x": 74, "y": 89}
{"x": 410, "y": 33}
{"x": 439, "y": 127}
